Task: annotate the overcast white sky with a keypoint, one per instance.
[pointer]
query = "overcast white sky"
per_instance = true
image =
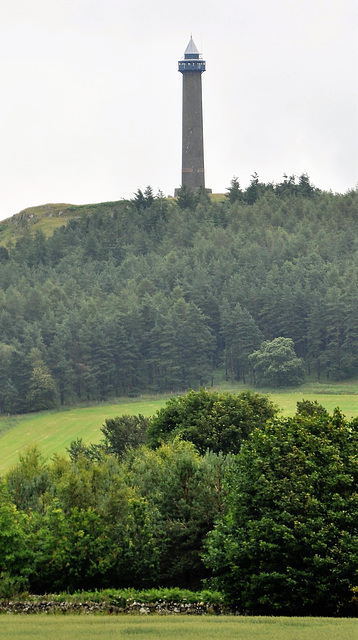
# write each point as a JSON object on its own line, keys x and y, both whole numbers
{"x": 91, "y": 96}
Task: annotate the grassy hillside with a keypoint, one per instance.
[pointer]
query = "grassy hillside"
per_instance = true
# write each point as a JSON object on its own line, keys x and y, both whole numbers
{"x": 45, "y": 218}
{"x": 48, "y": 217}
{"x": 53, "y": 431}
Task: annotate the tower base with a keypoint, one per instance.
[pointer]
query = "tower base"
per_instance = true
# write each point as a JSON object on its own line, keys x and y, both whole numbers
{"x": 177, "y": 191}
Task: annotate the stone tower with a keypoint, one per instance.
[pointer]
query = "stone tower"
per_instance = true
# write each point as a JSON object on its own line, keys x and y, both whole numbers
{"x": 192, "y": 66}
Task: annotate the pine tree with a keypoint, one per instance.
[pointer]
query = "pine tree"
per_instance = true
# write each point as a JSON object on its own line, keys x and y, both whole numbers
{"x": 42, "y": 391}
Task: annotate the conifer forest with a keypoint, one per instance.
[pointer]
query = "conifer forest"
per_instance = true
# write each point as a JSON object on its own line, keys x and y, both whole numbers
{"x": 156, "y": 294}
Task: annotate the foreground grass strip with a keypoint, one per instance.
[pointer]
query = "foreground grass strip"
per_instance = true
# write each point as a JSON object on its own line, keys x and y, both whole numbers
{"x": 71, "y": 627}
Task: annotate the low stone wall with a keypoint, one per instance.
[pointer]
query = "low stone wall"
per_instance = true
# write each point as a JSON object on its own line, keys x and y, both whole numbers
{"x": 164, "y": 608}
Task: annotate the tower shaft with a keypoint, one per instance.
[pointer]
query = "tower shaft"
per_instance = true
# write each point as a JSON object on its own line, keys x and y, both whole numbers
{"x": 192, "y": 135}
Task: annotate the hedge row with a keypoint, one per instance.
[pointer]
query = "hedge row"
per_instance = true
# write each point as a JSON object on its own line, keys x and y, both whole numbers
{"x": 113, "y": 601}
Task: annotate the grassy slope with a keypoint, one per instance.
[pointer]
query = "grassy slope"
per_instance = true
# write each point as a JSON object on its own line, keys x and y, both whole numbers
{"x": 45, "y": 218}
{"x": 72, "y": 627}
{"x": 53, "y": 431}
{"x": 48, "y": 217}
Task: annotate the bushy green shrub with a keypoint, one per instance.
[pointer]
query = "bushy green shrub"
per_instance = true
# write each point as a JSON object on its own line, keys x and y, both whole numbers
{"x": 210, "y": 420}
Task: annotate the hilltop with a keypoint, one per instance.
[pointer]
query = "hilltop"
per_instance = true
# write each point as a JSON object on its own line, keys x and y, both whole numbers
{"x": 45, "y": 218}
{"x": 48, "y": 217}
{"x": 155, "y": 294}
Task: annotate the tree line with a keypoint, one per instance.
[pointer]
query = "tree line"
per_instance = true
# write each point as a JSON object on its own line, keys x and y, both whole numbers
{"x": 214, "y": 489}
{"x": 159, "y": 294}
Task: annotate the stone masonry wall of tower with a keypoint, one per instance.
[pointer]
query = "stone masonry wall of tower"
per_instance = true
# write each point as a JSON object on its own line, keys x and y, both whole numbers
{"x": 192, "y": 140}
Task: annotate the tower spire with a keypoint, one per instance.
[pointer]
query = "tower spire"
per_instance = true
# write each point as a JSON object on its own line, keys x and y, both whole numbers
{"x": 191, "y": 49}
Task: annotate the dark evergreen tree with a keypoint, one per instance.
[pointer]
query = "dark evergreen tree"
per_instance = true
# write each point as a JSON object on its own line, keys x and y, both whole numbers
{"x": 242, "y": 336}
{"x": 186, "y": 198}
{"x": 42, "y": 391}
{"x": 234, "y": 191}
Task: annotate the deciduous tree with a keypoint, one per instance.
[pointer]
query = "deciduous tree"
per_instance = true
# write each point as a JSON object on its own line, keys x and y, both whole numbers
{"x": 275, "y": 364}
{"x": 289, "y": 541}
{"x": 216, "y": 421}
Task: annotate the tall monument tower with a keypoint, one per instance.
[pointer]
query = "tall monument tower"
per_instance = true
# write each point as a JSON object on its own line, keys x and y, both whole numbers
{"x": 192, "y": 66}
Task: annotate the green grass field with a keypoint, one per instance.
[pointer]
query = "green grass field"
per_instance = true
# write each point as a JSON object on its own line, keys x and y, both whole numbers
{"x": 53, "y": 431}
{"x": 347, "y": 403}
{"x": 69, "y": 627}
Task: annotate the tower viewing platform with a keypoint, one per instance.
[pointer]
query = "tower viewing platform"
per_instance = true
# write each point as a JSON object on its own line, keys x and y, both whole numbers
{"x": 192, "y": 60}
